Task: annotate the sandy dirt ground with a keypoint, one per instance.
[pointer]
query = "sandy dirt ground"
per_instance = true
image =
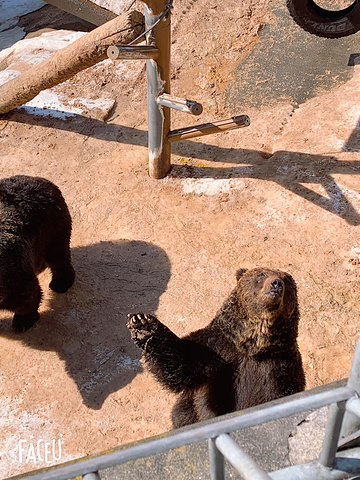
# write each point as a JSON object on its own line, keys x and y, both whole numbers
{"x": 282, "y": 193}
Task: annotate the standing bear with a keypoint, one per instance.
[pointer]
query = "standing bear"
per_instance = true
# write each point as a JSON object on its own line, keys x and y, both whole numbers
{"x": 35, "y": 229}
{"x": 246, "y": 356}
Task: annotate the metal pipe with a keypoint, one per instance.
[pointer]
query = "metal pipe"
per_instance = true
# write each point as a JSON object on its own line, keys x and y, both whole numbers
{"x": 183, "y": 104}
{"x": 332, "y": 434}
{"x": 346, "y": 468}
{"x": 353, "y": 406}
{"x": 91, "y": 476}
{"x": 209, "y": 128}
{"x": 217, "y": 464}
{"x": 351, "y": 422}
{"x": 132, "y": 52}
{"x": 248, "y": 468}
{"x": 193, "y": 434}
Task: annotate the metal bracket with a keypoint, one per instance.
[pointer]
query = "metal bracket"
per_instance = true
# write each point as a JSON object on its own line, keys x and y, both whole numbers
{"x": 130, "y": 52}
{"x": 183, "y": 104}
{"x": 209, "y": 128}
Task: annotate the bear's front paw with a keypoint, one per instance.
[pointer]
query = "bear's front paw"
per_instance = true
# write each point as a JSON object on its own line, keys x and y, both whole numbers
{"x": 142, "y": 326}
{"x": 21, "y": 323}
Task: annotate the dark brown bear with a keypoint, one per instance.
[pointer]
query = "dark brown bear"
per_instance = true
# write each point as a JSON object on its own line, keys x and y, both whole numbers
{"x": 35, "y": 229}
{"x": 246, "y": 356}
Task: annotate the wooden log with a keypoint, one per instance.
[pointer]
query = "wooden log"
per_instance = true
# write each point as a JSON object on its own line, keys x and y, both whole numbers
{"x": 64, "y": 64}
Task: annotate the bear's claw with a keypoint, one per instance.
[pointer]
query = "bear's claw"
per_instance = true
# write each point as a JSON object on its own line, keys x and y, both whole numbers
{"x": 142, "y": 326}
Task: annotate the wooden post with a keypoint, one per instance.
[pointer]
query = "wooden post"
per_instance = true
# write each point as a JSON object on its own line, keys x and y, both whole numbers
{"x": 158, "y": 82}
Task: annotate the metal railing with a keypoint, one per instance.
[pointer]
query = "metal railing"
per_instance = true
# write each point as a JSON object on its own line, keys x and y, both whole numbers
{"x": 341, "y": 432}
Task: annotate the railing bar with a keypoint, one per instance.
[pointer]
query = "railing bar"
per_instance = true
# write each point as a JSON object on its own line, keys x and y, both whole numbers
{"x": 353, "y": 406}
{"x": 217, "y": 464}
{"x": 91, "y": 476}
{"x": 257, "y": 416}
{"x": 351, "y": 422}
{"x": 248, "y": 468}
{"x": 332, "y": 433}
{"x": 333, "y": 428}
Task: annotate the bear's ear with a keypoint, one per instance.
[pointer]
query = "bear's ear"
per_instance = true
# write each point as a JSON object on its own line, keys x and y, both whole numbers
{"x": 240, "y": 273}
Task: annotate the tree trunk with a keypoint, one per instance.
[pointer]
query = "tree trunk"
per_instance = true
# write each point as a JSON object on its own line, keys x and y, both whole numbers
{"x": 64, "y": 64}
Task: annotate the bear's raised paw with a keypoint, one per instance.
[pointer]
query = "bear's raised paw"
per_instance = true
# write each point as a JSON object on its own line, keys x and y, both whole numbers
{"x": 142, "y": 326}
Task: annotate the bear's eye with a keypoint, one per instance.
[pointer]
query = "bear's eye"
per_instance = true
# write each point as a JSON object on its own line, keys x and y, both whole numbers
{"x": 260, "y": 277}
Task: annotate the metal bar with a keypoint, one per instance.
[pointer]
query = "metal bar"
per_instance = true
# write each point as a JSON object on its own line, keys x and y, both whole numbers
{"x": 332, "y": 434}
{"x": 193, "y": 434}
{"x": 346, "y": 468}
{"x": 91, "y": 476}
{"x": 351, "y": 422}
{"x": 353, "y": 406}
{"x": 217, "y": 464}
{"x": 248, "y": 468}
{"x": 132, "y": 52}
{"x": 85, "y": 9}
{"x": 352, "y": 440}
{"x": 183, "y": 104}
{"x": 158, "y": 82}
{"x": 209, "y": 128}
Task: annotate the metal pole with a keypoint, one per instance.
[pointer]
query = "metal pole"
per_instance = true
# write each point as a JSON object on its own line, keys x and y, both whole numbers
{"x": 217, "y": 464}
{"x": 332, "y": 433}
{"x": 209, "y": 128}
{"x": 140, "y": 52}
{"x": 158, "y": 82}
{"x": 248, "y": 468}
{"x": 91, "y": 476}
{"x": 351, "y": 422}
{"x": 183, "y": 104}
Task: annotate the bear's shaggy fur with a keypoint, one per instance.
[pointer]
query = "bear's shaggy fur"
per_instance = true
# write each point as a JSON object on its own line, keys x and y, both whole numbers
{"x": 35, "y": 229}
{"x": 246, "y": 356}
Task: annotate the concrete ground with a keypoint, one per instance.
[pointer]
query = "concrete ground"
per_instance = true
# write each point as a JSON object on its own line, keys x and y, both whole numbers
{"x": 282, "y": 193}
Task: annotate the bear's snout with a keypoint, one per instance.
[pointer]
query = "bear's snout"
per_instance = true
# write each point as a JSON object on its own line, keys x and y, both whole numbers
{"x": 277, "y": 286}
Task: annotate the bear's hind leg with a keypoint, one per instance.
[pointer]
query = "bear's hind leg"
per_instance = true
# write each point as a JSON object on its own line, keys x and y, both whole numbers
{"x": 26, "y": 314}
{"x": 63, "y": 273}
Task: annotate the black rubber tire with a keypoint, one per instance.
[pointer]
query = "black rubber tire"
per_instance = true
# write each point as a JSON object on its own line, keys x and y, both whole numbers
{"x": 325, "y": 23}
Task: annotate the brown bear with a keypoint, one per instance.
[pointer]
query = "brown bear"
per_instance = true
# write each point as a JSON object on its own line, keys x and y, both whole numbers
{"x": 35, "y": 229}
{"x": 246, "y": 356}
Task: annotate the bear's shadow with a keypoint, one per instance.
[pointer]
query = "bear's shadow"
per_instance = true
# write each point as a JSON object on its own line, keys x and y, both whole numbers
{"x": 86, "y": 326}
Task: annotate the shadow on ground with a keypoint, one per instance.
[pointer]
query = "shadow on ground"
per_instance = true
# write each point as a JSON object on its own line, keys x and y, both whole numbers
{"x": 86, "y": 325}
{"x": 291, "y": 170}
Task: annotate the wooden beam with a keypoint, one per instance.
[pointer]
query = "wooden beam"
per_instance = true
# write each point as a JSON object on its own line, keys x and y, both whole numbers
{"x": 65, "y": 63}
